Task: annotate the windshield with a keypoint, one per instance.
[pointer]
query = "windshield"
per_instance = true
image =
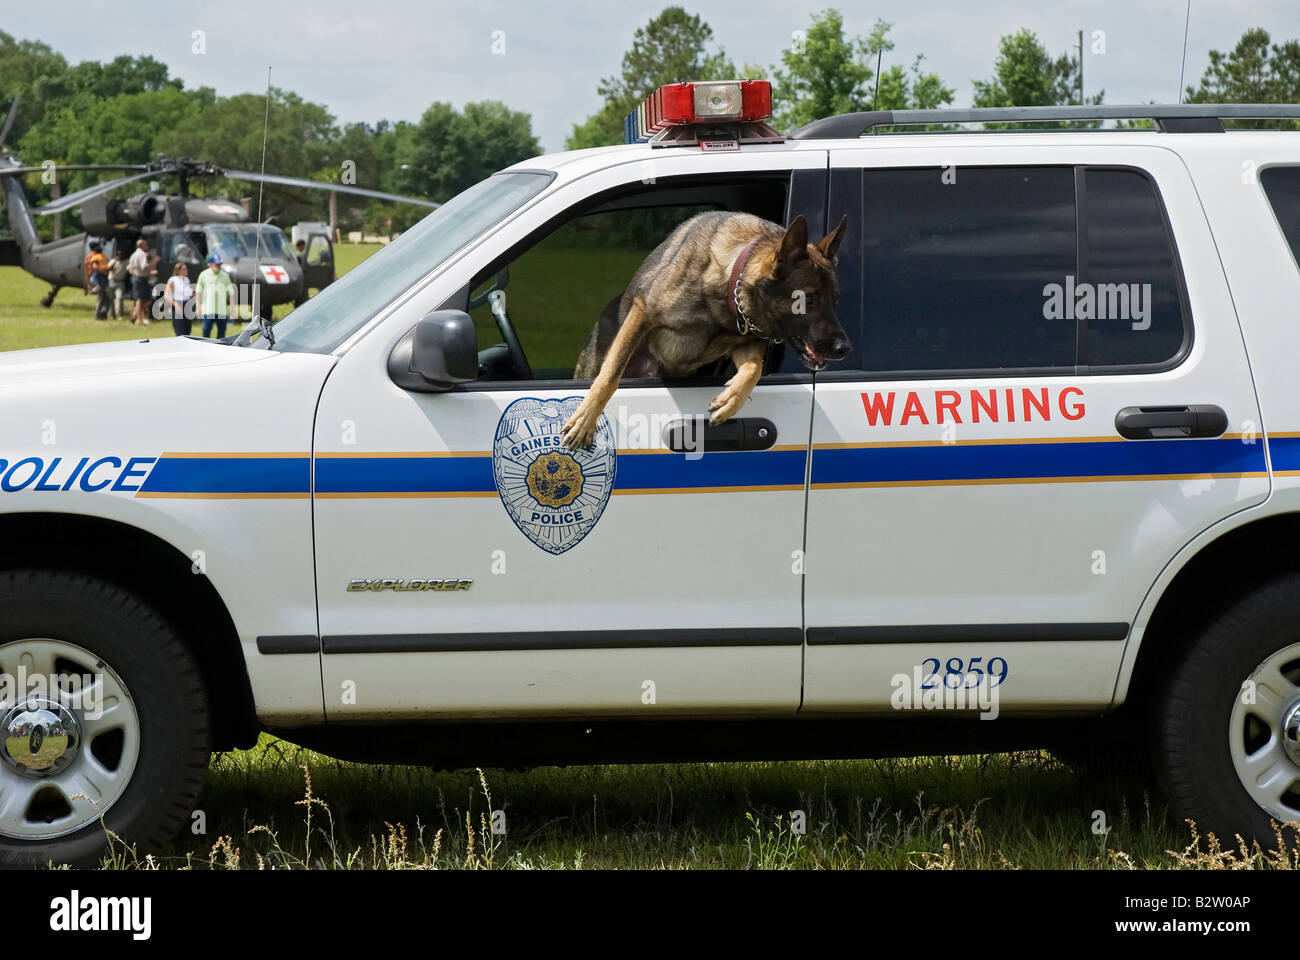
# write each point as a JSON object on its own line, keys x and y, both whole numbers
{"x": 236, "y": 240}
{"x": 330, "y": 317}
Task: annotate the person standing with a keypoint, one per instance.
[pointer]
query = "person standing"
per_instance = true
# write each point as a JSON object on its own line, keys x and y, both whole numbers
{"x": 215, "y": 290}
{"x": 178, "y": 294}
{"x": 117, "y": 277}
{"x": 96, "y": 265}
{"x": 139, "y": 267}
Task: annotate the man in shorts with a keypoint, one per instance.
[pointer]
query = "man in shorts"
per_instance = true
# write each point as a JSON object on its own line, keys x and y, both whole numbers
{"x": 139, "y": 267}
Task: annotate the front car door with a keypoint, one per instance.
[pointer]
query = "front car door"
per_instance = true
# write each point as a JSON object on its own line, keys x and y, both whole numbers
{"x": 1015, "y": 457}
{"x": 630, "y": 581}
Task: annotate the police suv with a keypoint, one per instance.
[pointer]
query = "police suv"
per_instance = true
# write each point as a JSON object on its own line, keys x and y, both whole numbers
{"x": 1055, "y": 485}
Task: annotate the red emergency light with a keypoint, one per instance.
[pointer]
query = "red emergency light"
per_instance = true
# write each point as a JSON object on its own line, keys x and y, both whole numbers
{"x": 727, "y": 112}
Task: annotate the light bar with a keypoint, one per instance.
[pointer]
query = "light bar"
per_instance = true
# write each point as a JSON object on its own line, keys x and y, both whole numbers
{"x": 711, "y": 102}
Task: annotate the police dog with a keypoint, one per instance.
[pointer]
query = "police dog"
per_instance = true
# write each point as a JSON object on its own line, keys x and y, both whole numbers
{"x": 721, "y": 284}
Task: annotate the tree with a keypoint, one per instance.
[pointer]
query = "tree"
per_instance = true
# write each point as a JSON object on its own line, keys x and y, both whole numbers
{"x": 1254, "y": 72}
{"x": 124, "y": 74}
{"x": 1025, "y": 75}
{"x": 448, "y": 150}
{"x": 89, "y": 129}
{"x": 300, "y": 139}
{"x": 671, "y": 48}
{"x": 827, "y": 73}
{"x": 129, "y": 110}
{"x": 32, "y": 71}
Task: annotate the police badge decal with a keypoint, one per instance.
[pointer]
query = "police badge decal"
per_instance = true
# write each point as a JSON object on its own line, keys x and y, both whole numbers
{"x": 553, "y": 494}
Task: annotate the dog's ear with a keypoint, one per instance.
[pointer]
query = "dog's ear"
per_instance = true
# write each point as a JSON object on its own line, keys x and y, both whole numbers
{"x": 831, "y": 242}
{"x": 793, "y": 245}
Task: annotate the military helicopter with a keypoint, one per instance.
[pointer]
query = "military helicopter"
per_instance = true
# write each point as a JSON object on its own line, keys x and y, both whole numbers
{"x": 179, "y": 228}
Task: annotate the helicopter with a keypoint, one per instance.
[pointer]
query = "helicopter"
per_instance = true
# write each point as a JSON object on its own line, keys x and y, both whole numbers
{"x": 179, "y": 228}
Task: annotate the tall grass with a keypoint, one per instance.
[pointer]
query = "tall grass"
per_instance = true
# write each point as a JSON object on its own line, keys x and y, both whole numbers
{"x": 282, "y": 807}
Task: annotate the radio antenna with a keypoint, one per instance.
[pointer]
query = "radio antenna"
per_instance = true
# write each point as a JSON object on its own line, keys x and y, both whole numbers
{"x": 263, "y": 323}
{"x": 875, "y": 96}
{"x": 1187, "y": 22}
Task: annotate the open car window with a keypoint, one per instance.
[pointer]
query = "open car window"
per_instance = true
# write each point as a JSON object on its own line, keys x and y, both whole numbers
{"x": 556, "y": 288}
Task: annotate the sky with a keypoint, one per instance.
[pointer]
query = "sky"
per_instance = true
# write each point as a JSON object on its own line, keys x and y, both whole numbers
{"x": 392, "y": 58}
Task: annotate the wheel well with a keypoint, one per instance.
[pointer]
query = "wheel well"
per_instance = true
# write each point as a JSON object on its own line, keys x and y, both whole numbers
{"x": 1224, "y": 571}
{"x": 160, "y": 574}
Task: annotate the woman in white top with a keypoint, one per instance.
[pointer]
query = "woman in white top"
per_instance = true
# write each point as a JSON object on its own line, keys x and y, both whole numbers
{"x": 180, "y": 293}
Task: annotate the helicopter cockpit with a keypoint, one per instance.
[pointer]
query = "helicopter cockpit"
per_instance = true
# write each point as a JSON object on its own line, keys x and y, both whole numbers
{"x": 236, "y": 240}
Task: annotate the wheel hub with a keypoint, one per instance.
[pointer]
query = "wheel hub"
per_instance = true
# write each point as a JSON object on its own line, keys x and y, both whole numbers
{"x": 1291, "y": 733}
{"x": 41, "y": 737}
{"x": 1264, "y": 734}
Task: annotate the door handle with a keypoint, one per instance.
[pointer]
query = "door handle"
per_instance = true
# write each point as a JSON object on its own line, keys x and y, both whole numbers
{"x": 1171, "y": 423}
{"x": 697, "y": 435}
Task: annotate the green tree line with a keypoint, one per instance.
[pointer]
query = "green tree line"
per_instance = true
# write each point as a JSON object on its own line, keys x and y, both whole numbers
{"x": 130, "y": 110}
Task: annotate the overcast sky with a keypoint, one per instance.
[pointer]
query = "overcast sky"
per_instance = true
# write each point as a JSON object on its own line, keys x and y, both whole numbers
{"x": 392, "y": 58}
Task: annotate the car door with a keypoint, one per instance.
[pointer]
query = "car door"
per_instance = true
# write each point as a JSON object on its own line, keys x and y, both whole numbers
{"x": 629, "y": 580}
{"x": 1050, "y": 398}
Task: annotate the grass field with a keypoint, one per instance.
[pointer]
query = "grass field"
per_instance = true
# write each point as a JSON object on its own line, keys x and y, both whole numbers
{"x": 1023, "y": 810}
{"x": 282, "y": 806}
{"x": 554, "y": 297}
{"x": 24, "y": 323}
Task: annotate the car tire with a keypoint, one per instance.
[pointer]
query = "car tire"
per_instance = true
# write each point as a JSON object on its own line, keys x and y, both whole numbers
{"x": 137, "y": 736}
{"x": 1225, "y": 747}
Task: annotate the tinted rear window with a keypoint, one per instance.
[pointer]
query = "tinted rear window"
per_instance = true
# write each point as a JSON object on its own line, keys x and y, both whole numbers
{"x": 1282, "y": 187}
{"x": 1130, "y": 262}
{"x": 954, "y": 272}
{"x": 987, "y": 268}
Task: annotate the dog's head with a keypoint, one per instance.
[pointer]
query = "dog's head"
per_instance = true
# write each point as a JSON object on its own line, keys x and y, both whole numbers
{"x": 797, "y": 296}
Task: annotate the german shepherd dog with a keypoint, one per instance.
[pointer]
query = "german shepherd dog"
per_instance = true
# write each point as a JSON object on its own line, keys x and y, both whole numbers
{"x": 721, "y": 284}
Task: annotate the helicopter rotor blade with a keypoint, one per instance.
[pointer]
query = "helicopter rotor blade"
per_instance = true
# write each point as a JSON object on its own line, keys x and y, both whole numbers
{"x": 9, "y": 122}
{"x": 81, "y": 196}
{"x": 11, "y": 171}
{"x": 322, "y": 185}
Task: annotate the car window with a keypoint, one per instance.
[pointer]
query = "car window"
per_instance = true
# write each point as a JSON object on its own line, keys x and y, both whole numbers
{"x": 1282, "y": 187}
{"x": 559, "y": 285}
{"x": 558, "y": 288}
{"x": 1137, "y": 315}
{"x": 330, "y": 317}
{"x": 988, "y": 268}
{"x": 953, "y": 270}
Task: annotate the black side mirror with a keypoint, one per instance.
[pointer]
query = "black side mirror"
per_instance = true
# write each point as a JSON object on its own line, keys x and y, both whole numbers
{"x": 439, "y": 352}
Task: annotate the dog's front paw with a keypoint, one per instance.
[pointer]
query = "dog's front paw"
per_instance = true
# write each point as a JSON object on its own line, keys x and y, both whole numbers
{"x": 579, "y": 430}
{"x": 725, "y": 405}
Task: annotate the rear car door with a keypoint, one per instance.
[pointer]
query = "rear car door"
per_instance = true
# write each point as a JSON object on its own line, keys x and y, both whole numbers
{"x": 1049, "y": 397}
{"x": 635, "y": 581}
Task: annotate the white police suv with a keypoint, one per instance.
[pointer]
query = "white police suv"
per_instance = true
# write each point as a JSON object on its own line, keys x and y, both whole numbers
{"x": 1057, "y": 479}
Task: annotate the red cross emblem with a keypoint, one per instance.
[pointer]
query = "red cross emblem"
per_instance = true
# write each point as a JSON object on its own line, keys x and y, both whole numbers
{"x": 275, "y": 274}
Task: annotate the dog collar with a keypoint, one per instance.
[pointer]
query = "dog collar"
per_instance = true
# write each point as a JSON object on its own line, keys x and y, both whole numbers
{"x": 743, "y": 324}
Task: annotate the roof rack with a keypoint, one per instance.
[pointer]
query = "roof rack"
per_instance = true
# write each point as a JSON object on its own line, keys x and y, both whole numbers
{"x": 1168, "y": 118}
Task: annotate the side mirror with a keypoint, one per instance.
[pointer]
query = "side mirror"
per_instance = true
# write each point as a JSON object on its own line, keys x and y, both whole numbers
{"x": 439, "y": 352}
